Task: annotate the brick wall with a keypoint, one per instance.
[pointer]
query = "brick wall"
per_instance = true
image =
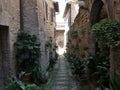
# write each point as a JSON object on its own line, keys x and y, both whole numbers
{"x": 81, "y": 26}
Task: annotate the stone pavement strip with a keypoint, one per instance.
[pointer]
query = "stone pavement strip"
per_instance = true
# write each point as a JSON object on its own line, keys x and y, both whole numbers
{"x": 63, "y": 80}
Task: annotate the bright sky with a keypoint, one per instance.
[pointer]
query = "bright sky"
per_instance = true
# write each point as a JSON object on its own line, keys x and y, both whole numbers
{"x": 59, "y": 17}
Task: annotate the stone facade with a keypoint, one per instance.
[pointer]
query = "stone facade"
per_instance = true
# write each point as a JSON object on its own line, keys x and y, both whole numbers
{"x": 39, "y": 19}
{"x": 69, "y": 15}
{"x": 90, "y": 13}
{"x": 60, "y": 38}
{"x": 9, "y": 26}
{"x": 35, "y": 16}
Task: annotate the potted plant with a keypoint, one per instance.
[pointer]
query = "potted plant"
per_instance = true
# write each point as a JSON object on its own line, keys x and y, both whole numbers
{"x": 27, "y": 52}
{"x": 25, "y": 77}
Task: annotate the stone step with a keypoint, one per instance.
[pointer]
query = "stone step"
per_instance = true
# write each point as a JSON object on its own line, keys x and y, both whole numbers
{"x": 62, "y": 70}
{"x": 62, "y": 76}
{"x": 62, "y": 80}
{"x": 62, "y": 73}
{"x": 61, "y": 88}
{"x": 62, "y": 83}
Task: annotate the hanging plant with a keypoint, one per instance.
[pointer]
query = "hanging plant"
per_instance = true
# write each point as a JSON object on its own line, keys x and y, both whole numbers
{"x": 107, "y": 32}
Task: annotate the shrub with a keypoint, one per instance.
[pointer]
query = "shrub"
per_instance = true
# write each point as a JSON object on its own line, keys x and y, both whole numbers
{"x": 107, "y": 32}
{"x": 16, "y": 84}
{"x": 37, "y": 76}
{"x": 27, "y": 51}
{"x": 115, "y": 82}
{"x": 77, "y": 65}
{"x": 99, "y": 68}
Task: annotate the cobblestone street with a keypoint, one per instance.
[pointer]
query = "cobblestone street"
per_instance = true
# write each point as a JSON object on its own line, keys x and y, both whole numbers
{"x": 59, "y": 44}
{"x": 62, "y": 78}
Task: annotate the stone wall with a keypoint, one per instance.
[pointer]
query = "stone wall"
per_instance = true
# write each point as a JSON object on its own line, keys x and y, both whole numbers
{"x": 117, "y": 9}
{"x": 60, "y": 38}
{"x": 81, "y": 25}
{"x": 91, "y": 13}
{"x": 10, "y": 17}
{"x": 37, "y": 19}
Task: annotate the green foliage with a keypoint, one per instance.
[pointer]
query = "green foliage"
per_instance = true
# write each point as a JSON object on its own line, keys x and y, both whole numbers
{"x": 28, "y": 51}
{"x": 85, "y": 88}
{"x": 48, "y": 44}
{"x": 2, "y": 88}
{"x": 107, "y": 32}
{"x": 99, "y": 68}
{"x": 52, "y": 62}
{"x": 16, "y": 84}
{"x": 37, "y": 76}
{"x": 73, "y": 33}
{"x": 77, "y": 65}
{"x": 115, "y": 82}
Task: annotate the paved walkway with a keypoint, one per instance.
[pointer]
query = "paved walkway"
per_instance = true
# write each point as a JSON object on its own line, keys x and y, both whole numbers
{"x": 62, "y": 78}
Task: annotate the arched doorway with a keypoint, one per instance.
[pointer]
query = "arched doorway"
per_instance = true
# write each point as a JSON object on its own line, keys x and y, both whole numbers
{"x": 98, "y": 12}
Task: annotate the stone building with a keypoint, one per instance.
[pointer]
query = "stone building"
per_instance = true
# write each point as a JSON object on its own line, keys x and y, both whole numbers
{"x": 70, "y": 12}
{"x": 38, "y": 17}
{"x": 91, "y": 12}
{"x": 35, "y": 16}
{"x": 60, "y": 37}
{"x": 9, "y": 26}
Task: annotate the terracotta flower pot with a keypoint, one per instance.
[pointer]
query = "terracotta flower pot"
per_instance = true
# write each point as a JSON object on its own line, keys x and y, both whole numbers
{"x": 26, "y": 77}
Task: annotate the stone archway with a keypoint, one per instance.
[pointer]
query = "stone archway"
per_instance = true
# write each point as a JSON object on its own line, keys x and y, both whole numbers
{"x": 97, "y": 13}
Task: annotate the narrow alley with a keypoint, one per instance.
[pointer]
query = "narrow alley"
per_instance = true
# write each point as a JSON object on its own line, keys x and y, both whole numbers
{"x": 59, "y": 44}
{"x": 62, "y": 78}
